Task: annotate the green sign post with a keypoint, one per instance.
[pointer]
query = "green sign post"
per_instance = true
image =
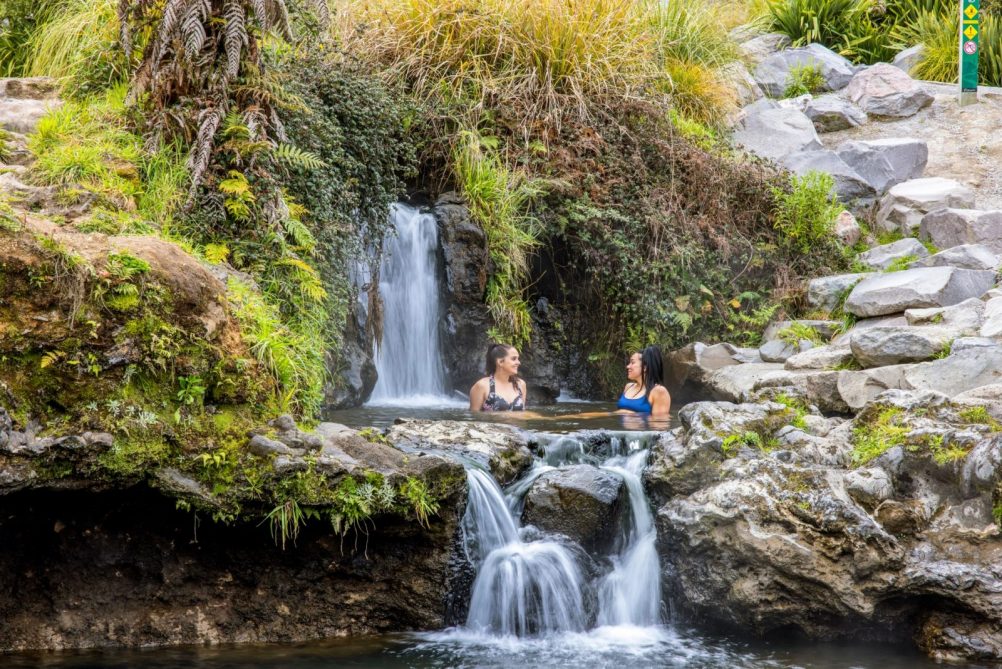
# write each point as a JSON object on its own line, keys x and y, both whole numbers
{"x": 970, "y": 34}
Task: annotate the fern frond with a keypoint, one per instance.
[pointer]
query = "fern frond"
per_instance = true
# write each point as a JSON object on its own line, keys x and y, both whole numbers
{"x": 280, "y": 12}
{"x": 292, "y": 155}
{"x": 193, "y": 27}
{"x": 169, "y": 23}
{"x": 260, "y": 13}
{"x": 323, "y": 12}
{"x": 125, "y": 28}
{"x": 300, "y": 234}
{"x": 236, "y": 36}
{"x": 201, "y": 149}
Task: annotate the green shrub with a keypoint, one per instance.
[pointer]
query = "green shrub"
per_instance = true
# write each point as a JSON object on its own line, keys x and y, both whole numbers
{"x": 804, "y": 79}
{"x": 806, "y": 212}
{"x": 902, "y": 263}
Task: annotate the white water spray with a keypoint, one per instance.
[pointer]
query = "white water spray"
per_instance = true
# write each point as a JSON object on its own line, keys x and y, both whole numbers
{"x": 409, "y": 360}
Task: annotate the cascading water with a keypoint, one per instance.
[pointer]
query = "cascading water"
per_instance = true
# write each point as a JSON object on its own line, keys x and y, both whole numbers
{"x": 409, "y": 360}
{"x": 631, "y": 593}
{"x": 521, "y": 588}
{"x": 535, "y": 587}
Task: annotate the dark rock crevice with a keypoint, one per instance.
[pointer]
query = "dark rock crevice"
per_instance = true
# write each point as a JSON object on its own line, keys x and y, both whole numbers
{"x": 127, "y": 568}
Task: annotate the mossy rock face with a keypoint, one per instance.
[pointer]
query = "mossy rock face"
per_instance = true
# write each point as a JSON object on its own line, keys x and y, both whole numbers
{"x": 87, "y": 319}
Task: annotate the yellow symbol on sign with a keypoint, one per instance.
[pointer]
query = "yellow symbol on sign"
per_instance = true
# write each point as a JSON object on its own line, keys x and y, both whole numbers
{"x": 971, "y": 11}
{"x": 970, "y": 32}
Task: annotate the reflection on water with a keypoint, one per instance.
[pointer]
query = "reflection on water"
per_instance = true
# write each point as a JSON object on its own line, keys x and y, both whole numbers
{"x": 620, "y": 647}
{"x": 560, "y": 417}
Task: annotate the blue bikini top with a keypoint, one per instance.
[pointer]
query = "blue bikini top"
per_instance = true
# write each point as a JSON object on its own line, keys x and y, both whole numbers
{"x": 639, "y": 404}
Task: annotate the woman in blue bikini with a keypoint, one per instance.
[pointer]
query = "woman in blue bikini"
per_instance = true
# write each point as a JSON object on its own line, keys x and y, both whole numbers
{"x": 501, "y": 389}
{"x": 645, "y": 392}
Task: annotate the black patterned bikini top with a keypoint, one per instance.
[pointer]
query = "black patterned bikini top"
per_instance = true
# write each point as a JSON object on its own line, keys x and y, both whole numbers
{"x": 495, "y": 402}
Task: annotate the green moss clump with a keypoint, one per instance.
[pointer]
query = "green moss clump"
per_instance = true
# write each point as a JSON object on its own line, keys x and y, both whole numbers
{"x": 876, "y": 436}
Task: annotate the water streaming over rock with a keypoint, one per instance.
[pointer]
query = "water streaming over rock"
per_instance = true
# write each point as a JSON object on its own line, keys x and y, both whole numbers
{"x": 530, "y": 584}
{"x": 409, "y": 361}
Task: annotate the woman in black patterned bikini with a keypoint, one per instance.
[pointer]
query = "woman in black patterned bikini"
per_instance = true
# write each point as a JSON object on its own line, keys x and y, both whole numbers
{"x": 501, "y": 389}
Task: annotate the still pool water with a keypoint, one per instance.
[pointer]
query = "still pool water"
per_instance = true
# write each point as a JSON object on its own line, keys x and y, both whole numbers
{"x": 618, "y": 648}
{"x": 561, "y": 417}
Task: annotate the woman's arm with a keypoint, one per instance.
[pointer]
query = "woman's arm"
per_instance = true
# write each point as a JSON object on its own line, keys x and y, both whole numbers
{"x": 660, "y": 402}
{"x": 525, "y": 393}
{"x": 478, "y": 393}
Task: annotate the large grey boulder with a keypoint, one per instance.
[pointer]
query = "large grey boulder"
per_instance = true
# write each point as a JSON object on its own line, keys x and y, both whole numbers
{"x": 776, "y": 133}
{"x": 582, "y": 502}
{"x": 832, "y": 112}
{"x": 965, "y": 317}
{"x": 924, "y": 287}
{"x": 858, "y": 388}
{"x": 992, "y": 326}
{"x": 884, "y": 90}
{"x": 737, "y": 76}
{"x": 905, "y": 205}
{"x": 848, "y": 184}
{"x": 882, "y": 257}
{"x": 819, "y": 357}
{"x": 962, "y": 224}
{"x": 965, "y": 256}
{"x": 827, "y": 292}
{"x": 759, "y": 48}
{"x": 824, "y": 329}
{"x": 885, "y": 162}
{"x": 959, "y": 372}
{"x": 882, "y": 346}
{"x": 866, "y": 323}
{"x": 738, "y": 383}
{"x": 779, "y": 350}
{"x": 773, "y": 73}
{"x": 907, "y": 60}
{"x": 695, "y": 362}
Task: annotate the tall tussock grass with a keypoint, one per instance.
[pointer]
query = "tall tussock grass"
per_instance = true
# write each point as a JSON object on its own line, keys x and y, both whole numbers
{"x": 537, "y": 58}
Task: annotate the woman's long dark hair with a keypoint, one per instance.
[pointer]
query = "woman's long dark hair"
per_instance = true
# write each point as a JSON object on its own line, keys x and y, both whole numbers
{"x": 651, "y": 369}
{"x": 497, "y": 352}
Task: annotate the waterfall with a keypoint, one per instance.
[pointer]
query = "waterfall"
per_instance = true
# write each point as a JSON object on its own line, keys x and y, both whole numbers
{"x": 522, "y": 588}
{"x": 631, "y": 593}
{"x": 408, "y": 359}
{"x": 532, "y": 588}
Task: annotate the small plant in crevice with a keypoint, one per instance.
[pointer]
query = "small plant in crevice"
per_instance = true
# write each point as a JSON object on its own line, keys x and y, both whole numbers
{"x": 806, "y": 79}
{"x": 798, "y": 331}
{"x": 806, "y": 211}
{"x": 902, "y": 263}
{"x": 286, "y": 520}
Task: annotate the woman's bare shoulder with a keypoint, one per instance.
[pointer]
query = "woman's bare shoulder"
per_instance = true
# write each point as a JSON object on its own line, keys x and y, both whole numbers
{"x": 659, "y": 391}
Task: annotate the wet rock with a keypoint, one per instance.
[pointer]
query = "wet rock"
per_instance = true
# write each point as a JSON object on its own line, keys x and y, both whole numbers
{"x": 925, "y": 287}
{"x": 773, "y": 72}
{"x": 831, "y": 112}
{"x": 956, "y": 225}
{"x": 828, "y": 292}
{"x": 907, "y": 204}
{"x": 503, "y": 449}
{"x": 582, "y": 502}
{"x": 30, "y": 88}
{"x": 881, "y": 346}
{"x": 882, "y": 257}
{"x": 963, "y": 343}
{"x": 885, "y": 162}
{"x": 776, "y": 133}
{"x": 884, "y": 90}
